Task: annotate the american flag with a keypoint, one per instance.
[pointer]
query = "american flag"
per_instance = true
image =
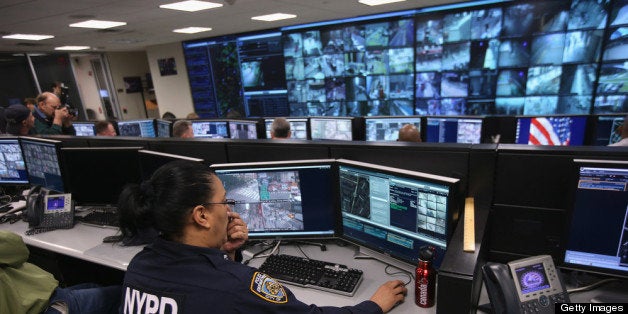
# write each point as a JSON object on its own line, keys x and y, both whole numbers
{"x": 550, "y": 131}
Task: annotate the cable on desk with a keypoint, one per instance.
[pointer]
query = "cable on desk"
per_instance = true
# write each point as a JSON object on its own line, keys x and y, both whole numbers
{"x": 401, "y": 271}
{"x": 257, "y": 255}
{"x": 592, "y": 286}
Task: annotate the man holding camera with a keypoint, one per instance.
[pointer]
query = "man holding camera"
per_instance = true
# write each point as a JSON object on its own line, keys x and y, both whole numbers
{"x": 51, "y": 117}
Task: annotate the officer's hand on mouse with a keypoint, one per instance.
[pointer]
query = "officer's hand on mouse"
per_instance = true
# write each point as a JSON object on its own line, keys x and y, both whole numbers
{"x": 390, "y": 294}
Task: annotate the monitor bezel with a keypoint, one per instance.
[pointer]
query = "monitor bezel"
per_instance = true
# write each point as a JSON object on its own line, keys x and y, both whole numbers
{"x": 425, "y": 133}
{"x": 370, "y": 118}
{"x": 240, "y": 121}
{"x": 57, "y": 145}
{"x": 164, "y": 121}
{"x": 16, "y": 139}
{"x": 152, "y": 121}
{"x": 225, "y": 121}
{"x": 351, "y": 119}
{"x": 92, "y": 124}
{"x": 266, "y": 126}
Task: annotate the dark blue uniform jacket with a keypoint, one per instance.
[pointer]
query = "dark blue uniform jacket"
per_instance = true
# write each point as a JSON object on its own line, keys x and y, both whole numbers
{"x": 170, "y": 277}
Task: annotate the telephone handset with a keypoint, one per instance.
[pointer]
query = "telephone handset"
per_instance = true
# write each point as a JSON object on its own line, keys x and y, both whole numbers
{"x": 47, "y": 210}
{"x": 526, "y": 285}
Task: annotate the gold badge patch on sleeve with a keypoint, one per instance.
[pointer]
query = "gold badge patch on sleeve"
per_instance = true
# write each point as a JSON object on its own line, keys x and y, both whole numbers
{"x": 268, "y": 288}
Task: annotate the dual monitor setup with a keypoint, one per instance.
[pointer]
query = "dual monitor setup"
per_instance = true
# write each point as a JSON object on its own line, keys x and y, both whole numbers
{"x": 562, "y": 130}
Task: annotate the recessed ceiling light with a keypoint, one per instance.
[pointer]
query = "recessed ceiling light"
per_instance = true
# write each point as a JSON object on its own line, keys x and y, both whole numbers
{"x": 192, "y": 30}
{"x": 28, "y": 36}
{"x": 378, "y": 2}
{"x": 191, "y": 5}
{"x": 273, "y": 17}
{"x": 97, "y": 24}
{"x": 72, "y": 48}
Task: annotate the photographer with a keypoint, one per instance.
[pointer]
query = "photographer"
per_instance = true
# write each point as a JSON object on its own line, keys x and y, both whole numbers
{"x": 51, "y": 117}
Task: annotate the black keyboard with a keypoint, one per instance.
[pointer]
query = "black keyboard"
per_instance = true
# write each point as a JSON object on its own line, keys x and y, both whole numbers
{"x": 102, "y": 218}
{"x": 314, "y": 274}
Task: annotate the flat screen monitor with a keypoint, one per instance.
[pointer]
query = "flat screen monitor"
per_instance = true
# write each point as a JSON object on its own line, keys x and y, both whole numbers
{"x": 387, "y": 128}
{"x": 287, "y": 199}
{"x": 607, "y": 129}
{"x": 298, "y": 127}
{"x": 210, "y": 129}
{"x": 84, "y": 128}
{"x": 597, "y": 237}
{"x": 12, "y": 167}
{"x": 551, "y": 130}
{"x": 329, "y": 128}
{"x": 150, "y": 161}
{"x": 139, "y": 128}
{"x": 42, "y": 162}
{"x": 163, "y": 127}
{"x": 96, "y": 175}
{"x": 245, "y": 130}
{"x": 453, "y": 130}
{"x": 394, "y": 212}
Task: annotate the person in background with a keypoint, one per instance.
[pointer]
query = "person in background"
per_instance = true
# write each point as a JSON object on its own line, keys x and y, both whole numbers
{"x": 280, "y": 129}
{"x": 26, "y": 288}
{"x": 50, "y": 117}
{"x": 192, "y": 116}
{"x": 30, "y": 103}
{"x": 105, "y": 128}
{"x": 192, "y": 266}
{"x": 182, "y": 129}
{"x": 168, "y": 115}
{"x": 623, "y": 132}
{"x": 59, "y": 89}
{"x": 19, "y": 119}
{"x": 409, "y": 133}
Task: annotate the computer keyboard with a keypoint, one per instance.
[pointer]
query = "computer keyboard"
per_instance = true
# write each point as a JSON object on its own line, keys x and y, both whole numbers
{"x": 101, "y": 217}
{"x": 314, "y": 274}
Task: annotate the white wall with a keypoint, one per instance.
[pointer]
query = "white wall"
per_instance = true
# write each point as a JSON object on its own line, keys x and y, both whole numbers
{"x": 129, "y": 64}
{"x": 172, "y": 91}
{"x": 86, "y": 83}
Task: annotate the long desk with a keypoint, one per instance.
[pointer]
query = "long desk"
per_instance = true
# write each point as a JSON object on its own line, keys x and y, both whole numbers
{"x": 85, "y": 242}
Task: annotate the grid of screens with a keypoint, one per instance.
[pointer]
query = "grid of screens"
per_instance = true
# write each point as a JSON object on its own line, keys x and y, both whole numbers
{"x": 12, "y": 167}
{"x": 298, "y": 127}
{"x": 562, "y": 131}
{"x": 395, "y": 211}
{"x": 164, "y": 128}
{"x": 246, "y": 130}
{"x": 387, "y": 128}
{"x": 598, "y": 239}
{"x": 453, "y": 130}
{"x": 283, "y": 199}
{"x": 210, "y": 129}
{"x": 607, "y": 130}
{"x": 139, "y": 128}
{"x": 523, "y": 58}
{"x": 331, "y": 129}
{"x": 42, "y": 162}
{"x": 84, "y": 128}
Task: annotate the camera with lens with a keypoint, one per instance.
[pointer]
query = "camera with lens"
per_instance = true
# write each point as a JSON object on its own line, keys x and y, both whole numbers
{"x": 71, "y": 111}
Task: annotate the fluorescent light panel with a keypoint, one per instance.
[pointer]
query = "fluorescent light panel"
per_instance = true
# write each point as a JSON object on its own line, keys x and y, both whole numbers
{"x": 192, "y": 30}
{"x": 28, "y": 36}
{"x": 191, "y": 5}
{"x": 378, "y": 2}
{"x": 273, "y": 17}
{"x": 73, "y": 48}
{"x": 97, "y": 24}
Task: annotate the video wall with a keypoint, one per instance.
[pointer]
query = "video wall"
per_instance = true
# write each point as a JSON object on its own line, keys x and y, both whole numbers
{"x": 521, "y": 58}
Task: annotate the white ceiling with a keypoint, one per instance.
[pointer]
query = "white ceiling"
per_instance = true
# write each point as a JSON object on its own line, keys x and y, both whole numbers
{"x": 148, "y": 25}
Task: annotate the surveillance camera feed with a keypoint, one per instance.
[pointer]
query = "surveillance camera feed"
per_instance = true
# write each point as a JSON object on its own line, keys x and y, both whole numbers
{"x": 433, "y": 62}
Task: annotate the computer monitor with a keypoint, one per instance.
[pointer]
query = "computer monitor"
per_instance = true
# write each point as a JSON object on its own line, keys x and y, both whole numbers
{"x": 84, "y": 128}
{"x": 453, "y": 130}
{"x": 331, "y": 128}
{"x": 393, "y": 212}
{"x": 606, "y": 129}
{"x": 150, "y": 161}
{"x": 163, "y": 127}
{"x": 140, "y": 128}
{"x": 241, "y": 129}
{"x": 597, "y": 236}
{"x": 12, "y": 167}
{"x": 551, "y": 130}
{"x": 387, "y": 128}
{"x": 286, "y": 199}
{"x": 42, "y": 162}
{"x": 96, "y": 175}
{"x": 210, "y": 128}
{"x": 298, "y": 127}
